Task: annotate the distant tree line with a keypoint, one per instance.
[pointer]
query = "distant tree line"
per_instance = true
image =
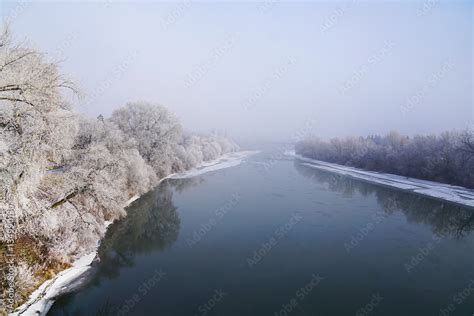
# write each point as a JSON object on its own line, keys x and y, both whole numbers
{"x": 447, "y": 158}
{"x": 64, "y": 175}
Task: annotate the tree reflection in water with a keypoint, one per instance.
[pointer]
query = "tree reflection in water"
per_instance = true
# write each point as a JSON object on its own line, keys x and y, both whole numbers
{"x": 152, "y": 223}
{"x": 445, "y": 218}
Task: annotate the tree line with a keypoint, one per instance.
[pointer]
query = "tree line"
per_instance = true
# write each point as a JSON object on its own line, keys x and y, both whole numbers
{"x": 447, "y": 157}
{"x": 65, "y": 175}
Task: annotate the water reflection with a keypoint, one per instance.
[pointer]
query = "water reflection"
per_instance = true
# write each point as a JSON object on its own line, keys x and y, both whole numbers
{"x": 152, "y": 223}
{"x": 444, "y": 218}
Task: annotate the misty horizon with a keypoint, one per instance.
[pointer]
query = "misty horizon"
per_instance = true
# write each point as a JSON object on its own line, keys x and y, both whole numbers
{"x": 266, "y": 71}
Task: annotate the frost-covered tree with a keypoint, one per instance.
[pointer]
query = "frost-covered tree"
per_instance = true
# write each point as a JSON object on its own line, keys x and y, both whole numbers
{"x": 155, "y": 131}
{"x": 35, "y": 125}
{"x": 160, "y": 140}
{"x": 102, "y": 142}
{"x": 101, "y": 171}
{"x": 36, "y": 131}
{"x": 195, "y": 149}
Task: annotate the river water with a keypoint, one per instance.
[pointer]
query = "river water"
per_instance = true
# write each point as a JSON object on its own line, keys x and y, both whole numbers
{"x": 274, "y": 237}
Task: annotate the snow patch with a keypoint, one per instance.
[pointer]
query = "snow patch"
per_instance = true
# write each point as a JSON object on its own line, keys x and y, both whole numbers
{"x": 446, "y": 192}
{"x": 132, "y": 199}
{"x": 225, "y": 161}
{"x": 43, "y": 298}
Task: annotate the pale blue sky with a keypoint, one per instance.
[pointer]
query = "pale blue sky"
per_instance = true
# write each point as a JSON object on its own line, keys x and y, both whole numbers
{"x": 267, "y": 70}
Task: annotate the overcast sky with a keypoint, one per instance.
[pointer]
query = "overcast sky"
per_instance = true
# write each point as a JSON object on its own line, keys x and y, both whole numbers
{"x": 266, "y": 71}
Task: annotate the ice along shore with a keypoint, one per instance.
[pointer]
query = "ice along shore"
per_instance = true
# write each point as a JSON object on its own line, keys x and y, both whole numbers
{"x": 441, "y": 191}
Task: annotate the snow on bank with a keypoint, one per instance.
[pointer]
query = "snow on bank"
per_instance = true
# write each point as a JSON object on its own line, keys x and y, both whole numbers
{"x": 42, "y": 299}
{"x": 225, "y": 161}
{"x": 451, "y": 193}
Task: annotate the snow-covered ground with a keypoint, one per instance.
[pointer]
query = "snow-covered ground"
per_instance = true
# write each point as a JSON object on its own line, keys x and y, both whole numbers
{"x": 455, "y": 194}
{"x": 43, "y": 298}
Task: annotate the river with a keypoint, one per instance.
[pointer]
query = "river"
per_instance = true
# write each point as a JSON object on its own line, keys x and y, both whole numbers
{"x": 272, "y": 236}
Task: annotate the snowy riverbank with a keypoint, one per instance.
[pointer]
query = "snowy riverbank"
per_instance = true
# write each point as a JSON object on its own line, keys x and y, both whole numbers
{"x": 42, "y": 299}
{"x": 225, "y": 161}
{"x": 446, "y": 192}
